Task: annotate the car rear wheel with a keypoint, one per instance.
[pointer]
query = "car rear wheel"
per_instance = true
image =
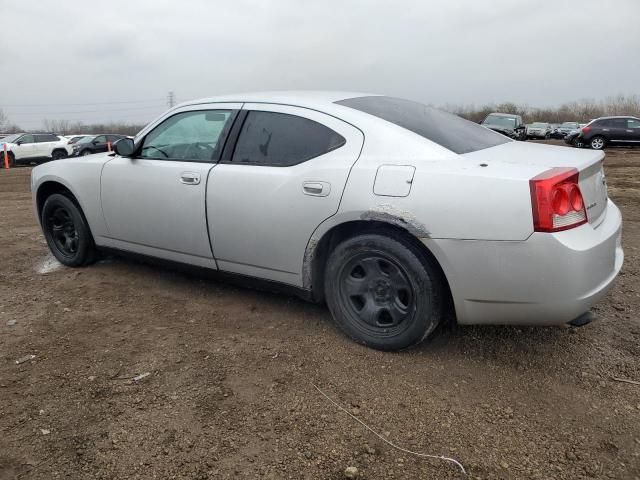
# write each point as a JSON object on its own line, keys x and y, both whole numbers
{"x": 382, "y": 292}
{"x": 58, "y": 154}
{"x": 67, "y": 232}
{"x": 598, "y": 143}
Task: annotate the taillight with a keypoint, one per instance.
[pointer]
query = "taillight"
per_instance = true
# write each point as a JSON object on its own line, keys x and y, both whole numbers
{"x": 586, "y": 129}
{"x": 556, "y": 200}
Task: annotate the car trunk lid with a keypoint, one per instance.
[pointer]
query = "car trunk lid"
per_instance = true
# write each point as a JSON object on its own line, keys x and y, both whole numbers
{"x": 589, "y": 164}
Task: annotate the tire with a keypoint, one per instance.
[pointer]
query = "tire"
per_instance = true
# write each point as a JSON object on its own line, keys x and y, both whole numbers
{"x": 67, "y": 232}
{"x": 383, "y": 292}
{"x": 547, "y": 136}
{"x": 598, "y": 143}
{"x": 84, "y": 153}
{"x": 578, "y": 143}
{"x": 58, "y": 154}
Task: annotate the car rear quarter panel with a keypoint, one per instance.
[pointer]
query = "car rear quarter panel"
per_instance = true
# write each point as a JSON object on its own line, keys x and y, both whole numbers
{"x": 451, "y": 196}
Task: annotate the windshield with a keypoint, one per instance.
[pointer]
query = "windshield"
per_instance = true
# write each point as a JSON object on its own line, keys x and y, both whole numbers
{"x": 500, "y": 121}
{"x": 447, "y": 130}
{"x": 86, "y": 139}
{"x": 11, "y": 138}
{"x": 539, "y": 124}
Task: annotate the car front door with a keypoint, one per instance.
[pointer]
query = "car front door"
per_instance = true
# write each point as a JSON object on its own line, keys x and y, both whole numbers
{"x": 99, "y": 144}
{"x": 632, "y": 132}
{"x": 25, "y": 147}
{"x": 154, "y": 203}
{"x": 285, "y": 177}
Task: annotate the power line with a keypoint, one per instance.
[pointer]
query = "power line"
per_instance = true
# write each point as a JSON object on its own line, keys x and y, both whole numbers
{"x": 78, "y": 104}
{"x": 151, "y": 107}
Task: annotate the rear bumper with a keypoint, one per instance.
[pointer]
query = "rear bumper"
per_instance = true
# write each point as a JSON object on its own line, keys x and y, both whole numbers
{"x": 549, "y": 279}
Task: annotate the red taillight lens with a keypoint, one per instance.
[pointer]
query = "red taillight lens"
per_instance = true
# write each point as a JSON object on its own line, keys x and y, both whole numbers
{"x": 556, "y": 200}
{"x": 586, "y": 129}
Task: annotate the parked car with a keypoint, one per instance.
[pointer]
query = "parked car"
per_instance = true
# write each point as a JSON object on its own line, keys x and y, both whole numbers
{"x": 34, "y": 147}
{"x": 94, "y": 144}
{"x": 574, "y": 139}
{"x": 565, "y": 128}
{"x": 611, "y": 131}
{"x": 377, "y": 205}
{"x": 74, "y": 138}
{"x": 506, "y": 124}
{"x": 539, "y": 130}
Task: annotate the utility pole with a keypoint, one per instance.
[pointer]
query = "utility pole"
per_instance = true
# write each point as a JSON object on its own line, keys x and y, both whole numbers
{"x": 171, "y": 99}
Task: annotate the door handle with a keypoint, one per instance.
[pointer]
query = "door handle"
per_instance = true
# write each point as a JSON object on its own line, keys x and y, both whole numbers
{"x": 190, "y": 178}
{"x": 316, "y": 189}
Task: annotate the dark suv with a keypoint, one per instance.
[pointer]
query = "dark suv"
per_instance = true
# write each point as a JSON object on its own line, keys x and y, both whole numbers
{"x": 611, "y": 131}
{"x": 510, "y": 125}
{"x": 94, "y": 144}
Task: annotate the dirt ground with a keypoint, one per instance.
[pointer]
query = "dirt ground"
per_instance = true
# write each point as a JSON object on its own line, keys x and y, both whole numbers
{"x": 231, "y": 371}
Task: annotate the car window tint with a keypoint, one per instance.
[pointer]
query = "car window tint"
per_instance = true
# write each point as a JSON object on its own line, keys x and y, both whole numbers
{"x": 46, "y": 138}
{"x": 280, "y": 139}
{"x": 632, "y": 123}
{"x": 100, "y": 139}
{"x": 445, "y": 129}
{"x": 26, "y": 139}
{"x": 187, "y": 136}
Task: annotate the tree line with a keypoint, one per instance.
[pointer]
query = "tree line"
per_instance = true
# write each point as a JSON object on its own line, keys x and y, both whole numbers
{"x": 580, "y": 111}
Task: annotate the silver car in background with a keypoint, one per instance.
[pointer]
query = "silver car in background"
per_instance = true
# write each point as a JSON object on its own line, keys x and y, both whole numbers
{"x": 387, "y": 210}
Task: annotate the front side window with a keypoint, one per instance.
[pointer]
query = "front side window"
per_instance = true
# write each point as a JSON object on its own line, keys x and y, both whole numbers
{"x": 26, "y": 139}
{"x": 100, "y": 139}
{"x": 445, "y": 129}
{"x": 633, "y": 123}
{"x": 192, "y": 136}
{"x": 282, "y": 140}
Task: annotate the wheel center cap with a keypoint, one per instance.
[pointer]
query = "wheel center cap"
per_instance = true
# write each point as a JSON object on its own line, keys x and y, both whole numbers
{"x": 380, "y": 289}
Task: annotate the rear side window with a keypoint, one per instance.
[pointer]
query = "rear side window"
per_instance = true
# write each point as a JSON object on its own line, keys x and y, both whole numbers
{"x": 46, "y": 138}
{"x": 282, "y": 140}
{"x": 450, "y": 131}
{"x": 633, "y": 123}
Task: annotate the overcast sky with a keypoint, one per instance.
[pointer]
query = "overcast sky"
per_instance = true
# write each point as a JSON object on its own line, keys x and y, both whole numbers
{"x": 116, "y": 60}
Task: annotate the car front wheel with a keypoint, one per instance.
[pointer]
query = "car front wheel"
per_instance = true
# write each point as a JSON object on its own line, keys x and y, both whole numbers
{"x": 382, "y": 291}
{"x": 85, "y": 153}
{"x": 67, "y": 232}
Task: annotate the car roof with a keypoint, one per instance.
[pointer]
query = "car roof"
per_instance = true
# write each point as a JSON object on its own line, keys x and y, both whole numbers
{"x": 300, "y": 98}
{"x": 616, "y": 116}
{"x": 504, "y": 114}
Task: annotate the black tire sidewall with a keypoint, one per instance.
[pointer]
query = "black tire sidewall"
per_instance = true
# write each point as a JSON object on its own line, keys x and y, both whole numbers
{"x": 425, "y": 282}
{"x": 86, "y": 248}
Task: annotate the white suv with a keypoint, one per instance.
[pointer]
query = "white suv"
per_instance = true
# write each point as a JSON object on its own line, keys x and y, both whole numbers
{"x": 34, "y": 147}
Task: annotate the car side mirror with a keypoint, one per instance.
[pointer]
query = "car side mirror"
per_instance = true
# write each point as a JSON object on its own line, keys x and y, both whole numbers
{"x": 124, "y": 147}
{"x": 19, "y": 142}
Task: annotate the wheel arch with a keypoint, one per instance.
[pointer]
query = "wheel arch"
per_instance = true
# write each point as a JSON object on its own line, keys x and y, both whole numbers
{"x": 48, "y": 188}
{"x": 322, "y": 244}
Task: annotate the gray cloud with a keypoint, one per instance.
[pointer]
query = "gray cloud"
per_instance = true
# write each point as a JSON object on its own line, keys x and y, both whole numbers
{"x": 467, "y": 51}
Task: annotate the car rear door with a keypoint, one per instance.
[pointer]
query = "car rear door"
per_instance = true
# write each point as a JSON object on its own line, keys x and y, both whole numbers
{"x": 615, "y": 129}
{"x": 99, "y": 144}
{"x": 154, "y": 203}
{"x": 285, "y": 177}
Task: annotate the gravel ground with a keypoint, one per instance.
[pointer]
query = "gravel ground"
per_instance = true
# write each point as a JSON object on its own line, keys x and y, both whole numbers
{"x": 229, "y": 391}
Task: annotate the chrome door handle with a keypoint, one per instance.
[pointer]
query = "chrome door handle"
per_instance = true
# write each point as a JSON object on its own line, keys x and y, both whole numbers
{"x": 190, "y": 178}
{"x": 316, "y": 189}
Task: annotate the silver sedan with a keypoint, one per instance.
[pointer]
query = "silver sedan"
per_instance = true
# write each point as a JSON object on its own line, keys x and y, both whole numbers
{"x": 391, "y": 212}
